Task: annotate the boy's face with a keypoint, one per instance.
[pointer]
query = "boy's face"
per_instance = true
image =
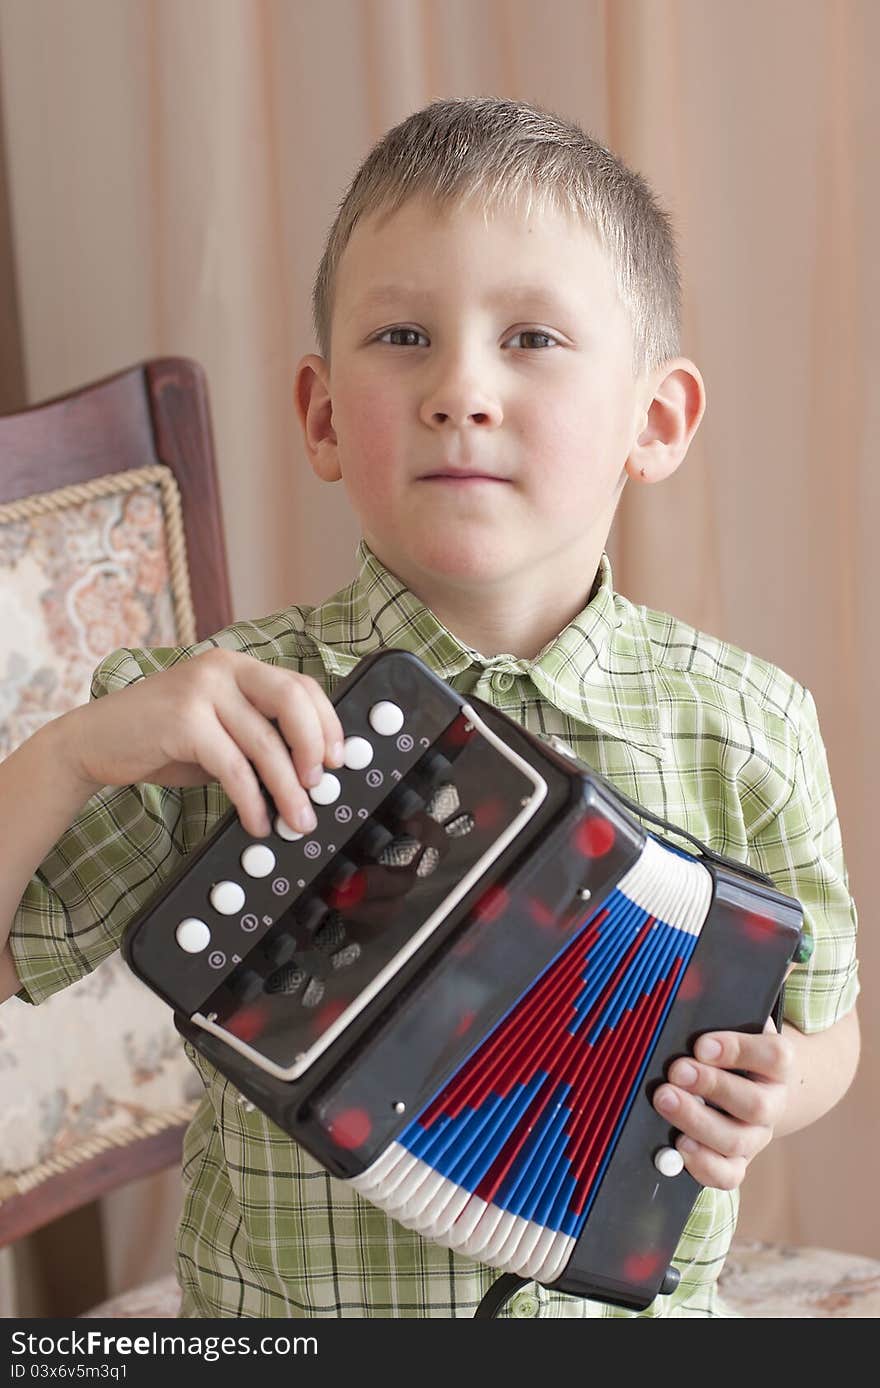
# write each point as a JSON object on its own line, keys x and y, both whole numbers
{"x": 480, "y": 406}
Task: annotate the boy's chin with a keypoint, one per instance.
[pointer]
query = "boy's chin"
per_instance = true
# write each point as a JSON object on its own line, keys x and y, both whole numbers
{"x": 465, "y": 563}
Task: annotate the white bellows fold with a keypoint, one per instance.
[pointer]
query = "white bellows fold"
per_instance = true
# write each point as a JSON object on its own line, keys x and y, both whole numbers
{"x": 671, "y": 888}
{"x": 421, "y": 1199}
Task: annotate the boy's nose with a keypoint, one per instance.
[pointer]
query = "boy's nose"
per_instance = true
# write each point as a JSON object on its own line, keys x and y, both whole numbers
{"x": 461, "y": 405}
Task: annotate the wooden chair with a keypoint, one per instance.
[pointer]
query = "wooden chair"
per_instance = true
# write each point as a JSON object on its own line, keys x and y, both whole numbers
{"x": 111, "y": 535}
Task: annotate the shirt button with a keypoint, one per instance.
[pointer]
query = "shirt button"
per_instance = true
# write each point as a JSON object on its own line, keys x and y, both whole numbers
{"x": 502, "y": 681}
{"x": 524, "y": 1306}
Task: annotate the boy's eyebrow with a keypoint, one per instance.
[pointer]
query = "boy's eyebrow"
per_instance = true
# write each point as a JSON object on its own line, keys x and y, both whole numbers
{"x": 508, "y": 294}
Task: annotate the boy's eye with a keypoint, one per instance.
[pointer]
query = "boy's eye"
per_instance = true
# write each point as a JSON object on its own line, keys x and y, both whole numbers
{"x": 410, "y": 333}
{"x": 533, "y": 332}
{"x": 528, "y": 337}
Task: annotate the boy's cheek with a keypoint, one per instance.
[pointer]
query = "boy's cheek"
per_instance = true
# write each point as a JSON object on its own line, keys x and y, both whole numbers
{"x": 368, "y": 425}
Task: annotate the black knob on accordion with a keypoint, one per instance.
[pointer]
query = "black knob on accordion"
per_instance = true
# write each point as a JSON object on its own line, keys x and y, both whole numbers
{"x": 374, "y": 839}
{"x": 281, "y": 950}
{"x": 248, "y": 984}
{"x": 403, "y": 804}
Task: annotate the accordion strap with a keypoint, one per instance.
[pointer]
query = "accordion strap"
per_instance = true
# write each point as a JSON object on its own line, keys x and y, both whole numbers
{"x": 499, "y": 1294}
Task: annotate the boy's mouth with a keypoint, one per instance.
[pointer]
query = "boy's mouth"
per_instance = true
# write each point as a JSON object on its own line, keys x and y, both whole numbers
{"x": 462, "y": 478}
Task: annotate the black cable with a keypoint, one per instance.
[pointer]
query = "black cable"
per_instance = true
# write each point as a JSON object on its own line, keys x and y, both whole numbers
{"x": 498, "y": 1294}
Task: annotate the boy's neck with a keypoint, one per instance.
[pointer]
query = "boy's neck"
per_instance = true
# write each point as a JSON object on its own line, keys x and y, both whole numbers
{"x": 517, "y": 617}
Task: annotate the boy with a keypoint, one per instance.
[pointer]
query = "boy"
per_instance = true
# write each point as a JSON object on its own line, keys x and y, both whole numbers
{"x": 497, "y": 317}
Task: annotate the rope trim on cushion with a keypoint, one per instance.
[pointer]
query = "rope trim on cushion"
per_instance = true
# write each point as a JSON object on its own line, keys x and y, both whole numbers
{"x": 85, "y": 1151}
{"x": 46, "y": 502}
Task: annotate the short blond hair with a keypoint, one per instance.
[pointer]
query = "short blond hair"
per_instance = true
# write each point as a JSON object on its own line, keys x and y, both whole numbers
{"x": 503, "y": 154}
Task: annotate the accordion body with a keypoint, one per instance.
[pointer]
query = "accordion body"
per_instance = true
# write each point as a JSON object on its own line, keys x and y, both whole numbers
{"x": 461, "y": 991}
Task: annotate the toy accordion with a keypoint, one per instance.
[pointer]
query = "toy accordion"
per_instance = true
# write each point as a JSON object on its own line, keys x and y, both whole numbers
{"x": 460, "y": 991}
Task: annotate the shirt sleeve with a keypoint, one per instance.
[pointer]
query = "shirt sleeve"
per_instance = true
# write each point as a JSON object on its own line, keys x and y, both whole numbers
{"x": 124, "y": 843}
{"x": 801, "y": 850}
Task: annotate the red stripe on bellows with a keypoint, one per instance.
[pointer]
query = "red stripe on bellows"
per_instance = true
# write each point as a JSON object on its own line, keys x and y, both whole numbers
{"x": 622, "y": 1053}
{"x": 630, "y": 1042}
{"x": 586, "y": 1117}
{"x": 582, "y": 1066}
{"x": 521, "y": 1034}
{"x": 575, "y": 1046}
{"x": 529, "y": 1040}
{"x": 514, "y": 1142}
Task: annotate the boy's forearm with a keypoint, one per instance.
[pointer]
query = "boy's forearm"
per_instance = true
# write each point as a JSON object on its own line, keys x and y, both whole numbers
{"x": 825, "y": 1063}
{"x": 41, "y": 795}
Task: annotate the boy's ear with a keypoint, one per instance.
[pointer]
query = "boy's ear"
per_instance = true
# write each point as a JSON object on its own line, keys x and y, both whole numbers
{"x": 676, "y": 404}
{"x": 311, "y": 393}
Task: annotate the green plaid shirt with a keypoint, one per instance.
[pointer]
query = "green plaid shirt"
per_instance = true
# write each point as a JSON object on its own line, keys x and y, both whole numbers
{"x": 715, "y": 740}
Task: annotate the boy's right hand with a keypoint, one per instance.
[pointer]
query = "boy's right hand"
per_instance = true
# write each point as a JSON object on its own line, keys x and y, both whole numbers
{"x": 212, "y": 718}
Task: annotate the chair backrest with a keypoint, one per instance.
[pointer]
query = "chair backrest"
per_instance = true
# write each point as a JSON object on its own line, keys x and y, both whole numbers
{"x": 111, "y": 535}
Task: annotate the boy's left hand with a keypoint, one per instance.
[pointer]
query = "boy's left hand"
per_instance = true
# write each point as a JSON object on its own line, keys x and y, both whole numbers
{"x": 722, "y": 1135}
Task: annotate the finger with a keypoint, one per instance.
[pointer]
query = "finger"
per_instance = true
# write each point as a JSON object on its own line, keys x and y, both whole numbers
{"x": 223, "y": 759}
{"x": 750, "y": 1100}
{"x": 260, "y": 742}
{"x": 711, "y": 1168}
{"x": 766, "y": 1054}
{"x": 283, "y": 696}
{"x": 334, "y": 733}
{"x": 729, "y": 1136}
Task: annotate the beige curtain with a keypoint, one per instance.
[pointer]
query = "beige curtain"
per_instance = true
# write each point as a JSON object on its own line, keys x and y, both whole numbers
{"x": 172, "y": 171}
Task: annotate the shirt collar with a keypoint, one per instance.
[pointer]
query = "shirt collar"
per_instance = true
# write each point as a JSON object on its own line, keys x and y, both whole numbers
{"x": 599, "y": 670}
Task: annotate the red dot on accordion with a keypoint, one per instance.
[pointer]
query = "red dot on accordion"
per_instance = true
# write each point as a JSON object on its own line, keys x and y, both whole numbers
{"x": 248, "y": 1023}
{"x": 348, "y": 894}
{"x": 489, "y": 813}
{"x": 350, "y": 1128}
{"x": 459, "y": 732}
{"x": 639, "y": 1266}
{"x": 327, "y": 1015}
{"x": 692, "y": 985}
{"x": 594, "y": 837}
{"x": 542, "y": 915}
{"x": 758, "y": 927}
{"x": 491, "y": 905}
{"x": 465, "y": 1024}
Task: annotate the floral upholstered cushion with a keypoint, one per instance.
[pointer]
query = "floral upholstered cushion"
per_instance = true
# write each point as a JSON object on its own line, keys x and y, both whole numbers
{"x": 75, "y": 583}
{"x": 82, "y": 572}
{"x": 773, "y": 1281}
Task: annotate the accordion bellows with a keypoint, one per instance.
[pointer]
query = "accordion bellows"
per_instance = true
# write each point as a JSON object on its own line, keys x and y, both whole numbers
{"x": 501, "y": 1167}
